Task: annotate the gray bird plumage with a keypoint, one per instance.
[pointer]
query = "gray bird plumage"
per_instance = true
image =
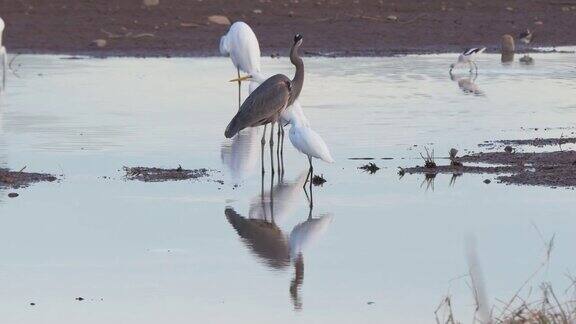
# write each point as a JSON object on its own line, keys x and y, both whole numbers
{"x": 265, "y": 103}
{"x": 262, "y": 106}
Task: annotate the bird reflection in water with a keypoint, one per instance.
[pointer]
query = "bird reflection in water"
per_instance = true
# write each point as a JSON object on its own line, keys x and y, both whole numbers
{"x": 467, "y": 84}
{"x": 268, "y": 242}
{"x": 241, "y": 154}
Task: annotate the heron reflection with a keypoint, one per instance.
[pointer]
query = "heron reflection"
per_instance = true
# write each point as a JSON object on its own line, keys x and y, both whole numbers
{"x": 241, "y": 154}
{"x": 271, "y": 245}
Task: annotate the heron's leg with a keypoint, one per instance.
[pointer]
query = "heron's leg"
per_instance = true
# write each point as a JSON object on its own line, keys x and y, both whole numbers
{"x": 239, "y": 90}
{"x": 278, "y": 147}
{"x": 282, "y": 149}
{"x": 263, "y": 141}
{"x": 272, "y": 147}
{"x": 272, "y": 191}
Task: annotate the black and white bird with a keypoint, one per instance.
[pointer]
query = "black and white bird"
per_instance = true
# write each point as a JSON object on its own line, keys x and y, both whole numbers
{"x": 526, "y": 36}
{"x": 468, "y": 57}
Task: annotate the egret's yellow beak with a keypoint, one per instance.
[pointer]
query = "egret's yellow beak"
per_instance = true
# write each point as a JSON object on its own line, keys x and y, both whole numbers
{"x": 240, "y": 79}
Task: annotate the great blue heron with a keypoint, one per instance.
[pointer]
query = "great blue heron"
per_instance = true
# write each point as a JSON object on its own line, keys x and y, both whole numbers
{"x": 265, "y": 104}
{"x": 468, "y": 57}
{"x": 242, "y": 45}
{"x": 3, "y": 55}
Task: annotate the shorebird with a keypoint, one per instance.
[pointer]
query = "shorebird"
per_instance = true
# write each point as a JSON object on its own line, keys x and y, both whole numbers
{"x": 266, "y": 103}
{"x": 241, "y": 44}
{"x": 526, "y": 36}
{"x": 468, "y": 57}
{"x": 309, "y": 143}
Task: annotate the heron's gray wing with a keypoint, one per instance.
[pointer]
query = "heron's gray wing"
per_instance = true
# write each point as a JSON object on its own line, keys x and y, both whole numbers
{"x": 262, "y": 104}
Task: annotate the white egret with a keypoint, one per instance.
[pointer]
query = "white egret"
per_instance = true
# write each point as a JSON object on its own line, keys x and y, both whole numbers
{"x": 242, "y": 45}
{"x": 3, "y": 54}
{"x": 309, "y": 143}
{"x": 468, "y": 57}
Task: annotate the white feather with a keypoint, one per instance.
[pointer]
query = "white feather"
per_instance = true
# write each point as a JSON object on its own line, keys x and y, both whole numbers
{"x": 308, "y": 142}
{"x": 242, "y": 45}
{"x": 2, "y": 25}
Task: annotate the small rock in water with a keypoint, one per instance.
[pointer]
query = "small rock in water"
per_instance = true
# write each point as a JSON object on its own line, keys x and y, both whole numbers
{"x": 487, "y": 181}
{"x": 79, "y": 298}
{"x": 32, "y": 304}
{"x": 526, "y": 60}
{"x": 508, "y": 149}
{"x": 219, "y": 20}
{"x": 370, "y": 303}
{"x": 13, "y": 195}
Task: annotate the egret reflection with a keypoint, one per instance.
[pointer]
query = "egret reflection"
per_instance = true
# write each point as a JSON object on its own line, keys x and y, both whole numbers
{"x": 272, "y": 246}
{"x": 241, "y": 154}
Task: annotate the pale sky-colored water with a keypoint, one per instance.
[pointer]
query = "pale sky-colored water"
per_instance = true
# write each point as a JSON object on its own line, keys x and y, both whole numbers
{"x": 195, "y": 251}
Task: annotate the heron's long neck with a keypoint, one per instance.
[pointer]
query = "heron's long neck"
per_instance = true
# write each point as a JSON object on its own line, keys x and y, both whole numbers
{"x": 298, "y": 80}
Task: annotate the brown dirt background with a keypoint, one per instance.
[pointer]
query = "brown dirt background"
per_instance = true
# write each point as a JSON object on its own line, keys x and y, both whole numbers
{"x": 343, "y": 28}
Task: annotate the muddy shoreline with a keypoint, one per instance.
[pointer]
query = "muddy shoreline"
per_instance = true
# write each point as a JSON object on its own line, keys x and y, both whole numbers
{"x": 330, "y": 27}
{"x": 550, "y": 169}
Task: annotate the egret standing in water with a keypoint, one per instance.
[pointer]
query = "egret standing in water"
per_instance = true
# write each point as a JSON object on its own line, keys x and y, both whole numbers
{"x": 468, "y": 57}
{"x": 242, "y": 45}
{"x": 3, "y": 55}
{"x": 266, "y": 103}
{"x": 309, "y": 143}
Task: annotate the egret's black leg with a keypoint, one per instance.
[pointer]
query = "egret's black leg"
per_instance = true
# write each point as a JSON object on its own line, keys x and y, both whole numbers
{"x": 311, "y": 180}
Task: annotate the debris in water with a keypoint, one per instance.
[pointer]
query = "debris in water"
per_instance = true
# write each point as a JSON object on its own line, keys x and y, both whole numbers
{"x": 79, "y": 298}
{"x": 487, "y": 181}
{"x": 429, "y": 159}
{"x": 508, "y": 149}
{"x": 12, "y": 195}
{"x": 453, "y": 155}
{"x": 370, "y": 167}
{"x": 147, "y": 174}
{"x": 318, "y": 180}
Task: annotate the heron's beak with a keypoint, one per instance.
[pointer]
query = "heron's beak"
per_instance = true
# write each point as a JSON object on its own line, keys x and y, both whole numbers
{"x": 240, "y": 79}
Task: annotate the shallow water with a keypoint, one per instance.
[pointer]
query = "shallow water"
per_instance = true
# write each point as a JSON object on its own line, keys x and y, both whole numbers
{"x": 205, "y": 252}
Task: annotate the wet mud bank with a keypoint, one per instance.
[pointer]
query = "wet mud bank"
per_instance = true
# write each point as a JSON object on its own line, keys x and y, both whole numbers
{"x": 550, "y": 169}
{"x": 154, "y": 174}
{"x": 330, "y": 27}
{"x": 20, "y": 179}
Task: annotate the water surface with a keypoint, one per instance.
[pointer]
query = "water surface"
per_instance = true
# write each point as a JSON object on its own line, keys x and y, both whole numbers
{"x": 205, "y": 252}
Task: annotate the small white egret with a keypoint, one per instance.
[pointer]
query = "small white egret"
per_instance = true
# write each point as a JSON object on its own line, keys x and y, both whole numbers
{"x": 242, "y": 45}
{"x": 309, "y": 143}
{"x": 468, "y": 57}
{"x": 3, "y": 55}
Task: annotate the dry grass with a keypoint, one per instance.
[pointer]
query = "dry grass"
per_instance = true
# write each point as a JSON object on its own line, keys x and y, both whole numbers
{"x": 429, "y": 159}
{"x": 542, "y": 305}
